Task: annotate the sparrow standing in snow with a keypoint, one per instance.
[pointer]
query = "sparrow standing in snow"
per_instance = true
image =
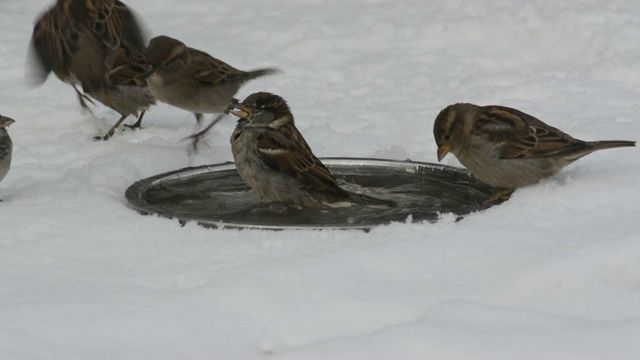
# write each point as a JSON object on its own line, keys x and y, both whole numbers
{"x": 273, "y": 158}
{"x": 193, "y": 80}
{"x": 507, "y": 148}
{"x": 80, "y": 42}
{"x": 6, "y": 146}
{"x": 128, "y": 91}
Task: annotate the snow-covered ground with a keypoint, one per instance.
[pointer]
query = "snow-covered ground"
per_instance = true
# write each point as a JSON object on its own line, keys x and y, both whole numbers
{"x": 554, "y": 273}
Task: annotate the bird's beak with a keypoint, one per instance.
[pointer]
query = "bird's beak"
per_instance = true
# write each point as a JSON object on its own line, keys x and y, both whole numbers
{"x": 243, "y": 112}
{"x": 5, "y": 121}
{"x": 443, "y": 151}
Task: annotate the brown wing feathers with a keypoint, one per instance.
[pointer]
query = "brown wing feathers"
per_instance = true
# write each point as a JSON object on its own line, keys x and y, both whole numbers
{"x": 519, "y": 135}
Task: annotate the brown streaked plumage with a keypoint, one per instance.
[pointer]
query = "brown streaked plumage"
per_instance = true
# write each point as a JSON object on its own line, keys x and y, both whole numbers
{"x": 193, "y": 80}
{"x": 128, "y": 91}
{"x": 507, "y": 148}
{"x": 274, "y": 159}
{"x": 78, "y": 40}
{"x": 6, "y": 146}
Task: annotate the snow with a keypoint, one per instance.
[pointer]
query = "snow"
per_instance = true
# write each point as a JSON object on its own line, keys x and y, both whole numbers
{"x": 554, "y": 273}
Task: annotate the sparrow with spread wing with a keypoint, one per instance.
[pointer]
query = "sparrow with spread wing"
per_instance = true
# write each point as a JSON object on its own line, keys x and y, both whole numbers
{"x": 78, "y": 40}
{"x": 84, "y": 42}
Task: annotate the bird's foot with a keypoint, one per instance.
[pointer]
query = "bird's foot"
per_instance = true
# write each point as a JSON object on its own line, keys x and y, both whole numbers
{"x": 137, "y": 124}
{"x": 499, "y": 196}
{"x": 193, "y": 147}
{"x": 106, "y": 137}
{"x": 195, "y": 138}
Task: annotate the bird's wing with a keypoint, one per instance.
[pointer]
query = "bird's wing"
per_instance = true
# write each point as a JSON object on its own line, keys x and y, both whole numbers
{"x": 517, "y": 135}
{"x": 211, "y": 71}
{"x": 53, "y": 44}
{"x": 112, "y": 21}
{"x": 286, "y": 151}
{"x": 128, "y": 69}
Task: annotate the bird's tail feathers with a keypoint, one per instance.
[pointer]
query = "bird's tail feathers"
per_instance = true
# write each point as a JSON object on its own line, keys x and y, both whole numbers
{"x": 261, "y": 72}
{"x": 610, "y": 144}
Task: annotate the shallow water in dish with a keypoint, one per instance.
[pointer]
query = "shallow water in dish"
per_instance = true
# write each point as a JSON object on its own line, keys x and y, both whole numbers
{"x": 215, "y": 195}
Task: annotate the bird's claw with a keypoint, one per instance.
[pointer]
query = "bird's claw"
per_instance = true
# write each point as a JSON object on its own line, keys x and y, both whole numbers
{"x": 195, "y": 138}
{"x": 106, "y": 137}
{"x": 499, "y": 196}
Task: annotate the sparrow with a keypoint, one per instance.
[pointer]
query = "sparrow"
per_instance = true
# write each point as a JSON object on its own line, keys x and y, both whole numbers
{"x": 193, "y": 80}
{"x": 6, "y": 146}
{"x": 273, "y": 158}
{"x": 507, "y": 148}
{"x": 78, "y": 40}
{"x": 128, "y": 91}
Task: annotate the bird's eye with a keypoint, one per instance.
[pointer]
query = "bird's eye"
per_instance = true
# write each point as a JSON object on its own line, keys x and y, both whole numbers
{"x": 447, "y": 137}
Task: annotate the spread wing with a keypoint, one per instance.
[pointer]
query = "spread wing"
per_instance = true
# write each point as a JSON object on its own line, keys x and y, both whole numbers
{"x": 517, "y": 135}
{"x": 112, "y": 21}
{"x": 286, "y": 151}
{"x": 59, "y": 34}
{"x": 53, "y": 45}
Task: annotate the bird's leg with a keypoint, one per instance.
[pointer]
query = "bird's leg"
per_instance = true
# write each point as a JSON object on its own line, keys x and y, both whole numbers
{"x": 196, "y": 137}
{"x": 138, "y": 123}
{"x": 112, "y": 130}
{"x": 82, "y": 97}
{"x": 198, "y": 118}
{"x": 193, "y": 148}
{"x": 499, "y": 196}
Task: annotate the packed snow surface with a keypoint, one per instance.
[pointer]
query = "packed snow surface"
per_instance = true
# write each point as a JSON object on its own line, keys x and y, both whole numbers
{"x": 554, "y": 273}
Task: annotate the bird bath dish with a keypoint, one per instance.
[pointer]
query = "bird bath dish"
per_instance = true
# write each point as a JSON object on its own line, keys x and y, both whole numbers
{"x": 216, "y": 196}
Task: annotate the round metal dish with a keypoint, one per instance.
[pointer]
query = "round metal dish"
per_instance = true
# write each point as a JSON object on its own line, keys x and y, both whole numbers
{"x": 216, "y": 196}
